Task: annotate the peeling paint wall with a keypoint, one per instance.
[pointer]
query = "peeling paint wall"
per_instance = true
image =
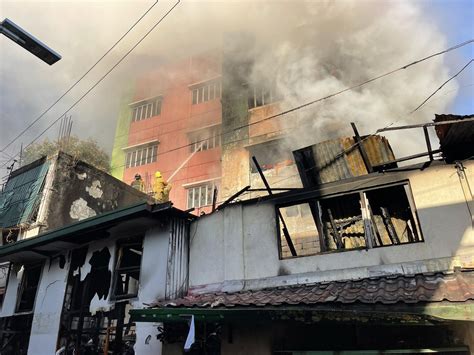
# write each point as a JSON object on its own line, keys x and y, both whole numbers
{"x": 48, "y": 306}
{"x": 9, "y": 302}
{"x": 80, "y": 191}
{"x": 238, "y": 247}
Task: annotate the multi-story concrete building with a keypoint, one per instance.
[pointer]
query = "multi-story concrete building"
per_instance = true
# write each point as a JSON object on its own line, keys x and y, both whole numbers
{"x": 207, "y": 105}
{"x": 171, "y": 114}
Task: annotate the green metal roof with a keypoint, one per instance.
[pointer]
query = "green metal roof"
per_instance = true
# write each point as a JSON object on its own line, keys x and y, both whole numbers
{"x": 80, "y": 232}
{"x": 428, "y": 311}
{"x": 22, "y": 194}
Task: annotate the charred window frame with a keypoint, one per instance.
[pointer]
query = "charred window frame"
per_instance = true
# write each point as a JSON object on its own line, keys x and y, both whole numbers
{"x": 372, "y": 217}
{"x": 205, "y": 139}
{"x": 207, "y": 91}
{"x": 127, "y": 268}
{"x": 28, "y": 287}
{"x": 260, "y": 95}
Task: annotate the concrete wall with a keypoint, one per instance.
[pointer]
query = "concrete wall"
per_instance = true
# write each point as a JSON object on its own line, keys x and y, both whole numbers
{"x": 81, "y": 191}
{"x": 153, "y": 285}
{"x": 48, "y": 307}
{"x": 9, "y": 302}
{"x": 240, "y": 242}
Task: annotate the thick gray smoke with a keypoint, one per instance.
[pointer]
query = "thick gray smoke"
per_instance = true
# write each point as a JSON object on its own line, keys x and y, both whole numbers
{"x": 309, "y": 49}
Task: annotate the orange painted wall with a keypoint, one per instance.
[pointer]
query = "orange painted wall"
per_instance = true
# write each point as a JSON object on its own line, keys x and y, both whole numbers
{"x": 178, "y": 117}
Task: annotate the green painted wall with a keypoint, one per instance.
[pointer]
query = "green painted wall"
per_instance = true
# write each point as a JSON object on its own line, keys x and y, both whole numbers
{"x": 117, "y": 161}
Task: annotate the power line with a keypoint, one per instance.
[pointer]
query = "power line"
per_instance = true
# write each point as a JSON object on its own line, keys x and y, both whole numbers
{"x": 393, "y": 122}
{"x": 322, "y": 99}
{"x": 447, "y": 81}
{"x": 299, "y": 106}
{"x": 80, "y": 79}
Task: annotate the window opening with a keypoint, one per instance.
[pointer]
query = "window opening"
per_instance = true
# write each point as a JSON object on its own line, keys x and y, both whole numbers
{"x": 200, "y": 195}
{"x": 28, "y": 287}
{"x": 145, "y": 110}
{"x": 207, "y": 92}
{"x": 141, "y": 156}
{"x": 375, "y": 217}
{"x": 302, "y": 229}
{"x": 127, "y": 269}
{"x": 262, "y": 95}
{"x": 4, "y": 276}
{"x": 205, "y": 139}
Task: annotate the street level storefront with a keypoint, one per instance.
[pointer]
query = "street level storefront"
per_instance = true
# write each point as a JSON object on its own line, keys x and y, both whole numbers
{"x": 398, "y": 314}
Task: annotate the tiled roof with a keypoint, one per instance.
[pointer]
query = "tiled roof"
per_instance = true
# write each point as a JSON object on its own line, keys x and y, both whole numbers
{"x": 454, "y": 287}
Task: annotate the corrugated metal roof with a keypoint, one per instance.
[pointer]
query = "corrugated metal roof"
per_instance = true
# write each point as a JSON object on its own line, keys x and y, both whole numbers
{"x": 22, "y": 194}
{"x": 339, "y": 159}
{"x": 455, "y": 287}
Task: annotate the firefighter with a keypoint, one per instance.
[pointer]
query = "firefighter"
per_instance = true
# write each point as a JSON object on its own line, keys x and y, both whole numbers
{"x": 161, "y": 188}
{"x": 138, "y": 183}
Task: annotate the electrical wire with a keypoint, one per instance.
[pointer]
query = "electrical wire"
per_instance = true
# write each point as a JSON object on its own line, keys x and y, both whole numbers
{"x": 330, "y": 96}
{"x": 310, "y": 102}
{"x": 104, "y": 76}
{"x": 78, "y": 80}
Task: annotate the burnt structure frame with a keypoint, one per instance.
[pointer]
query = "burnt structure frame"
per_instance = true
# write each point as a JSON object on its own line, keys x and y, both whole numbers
{"x": 28, "y": 268}
{"x": 120, "y": 244}
{"x": 313, "y": 197}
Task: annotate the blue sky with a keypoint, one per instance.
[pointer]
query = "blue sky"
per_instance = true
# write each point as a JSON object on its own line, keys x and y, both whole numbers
{"x": 456, "y": 20}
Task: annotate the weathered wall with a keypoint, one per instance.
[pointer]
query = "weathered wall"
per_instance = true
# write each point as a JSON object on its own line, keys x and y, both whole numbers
{"x": 80, "y": 191}
{"x": 152, "y": 287}
{"x": 48, "y": 307}
{"x": 253, "y": 248}
{"x": 177, "y": 118}
{"x": 9, "y": 302}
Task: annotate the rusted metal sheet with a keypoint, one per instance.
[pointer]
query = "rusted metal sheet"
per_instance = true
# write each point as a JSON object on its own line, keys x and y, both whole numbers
{"x": 339, "y": 159}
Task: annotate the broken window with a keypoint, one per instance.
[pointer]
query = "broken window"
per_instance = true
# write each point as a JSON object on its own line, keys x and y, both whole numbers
{"x": 270, "y": 155}
{"x": 369, "y": 218}
{"x": 127, "y": 269}
{"x": 146, "y": 109}
{"x": 205, "y": 139}
{"x": 301, "y": 229}
{"x": 262, "y": 95}
{"x": 206, "y": 92}
{"x": 28, "y": 287}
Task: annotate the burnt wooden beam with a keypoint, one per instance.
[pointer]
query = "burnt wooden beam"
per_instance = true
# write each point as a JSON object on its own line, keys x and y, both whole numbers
{"x": 409, "y": 157}
{"x": 233, "y": 197}
{"x": 362, "y": 150}
{"x": 390, "y": 228}
{"x": 429, "y": 124}
{"x": 428, "y": 143}
{"x": 374, "y": 223}
{"x": 260, "y": 172}
{"x": 280, "y": 189}
{"x": 286, "y": 233}
{"x": 337, "y": 235}
{"x": 214, "y": 199}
